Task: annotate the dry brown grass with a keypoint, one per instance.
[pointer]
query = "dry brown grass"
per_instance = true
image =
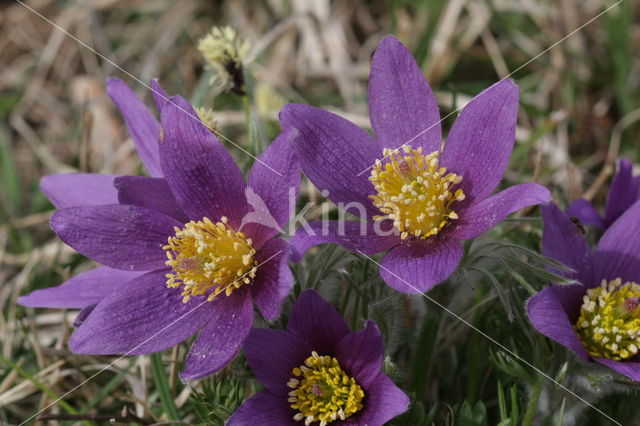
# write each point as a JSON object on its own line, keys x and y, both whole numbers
{"x": 572, "y": 127}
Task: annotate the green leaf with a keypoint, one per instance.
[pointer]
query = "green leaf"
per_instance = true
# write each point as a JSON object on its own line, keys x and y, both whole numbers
{"x": 10, "y": 184}
{"x": 162, "y": 384}
{"x": 221, "y": 395}
{"x": 561, "y": 413}
{"x": 472, "y": 416}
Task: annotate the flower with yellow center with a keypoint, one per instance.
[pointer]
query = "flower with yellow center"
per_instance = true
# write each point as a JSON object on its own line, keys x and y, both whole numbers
{"x": 209, "y": 258}
{"x": 323, "y": 392}
{"x": 609, "y": 322}
{"x": 410, "y": 187}
{"x": 414, "y": 191}
{"x": 346, "y": 387}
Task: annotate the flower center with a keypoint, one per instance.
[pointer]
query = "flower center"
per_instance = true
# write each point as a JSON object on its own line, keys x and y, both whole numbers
{"x": 414, "y": 191}
{"x": 323, "y": 392}
{"x": 209, "y": 258}
{"x": 609, "y": 322}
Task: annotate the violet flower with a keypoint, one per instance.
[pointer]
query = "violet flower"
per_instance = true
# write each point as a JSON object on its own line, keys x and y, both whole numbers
{"x": 86, "y": 189}
{"x": 433, "y": 200}
{"x": 598, "y": 318}
{"x": 624, "y": 191}
{"x": 202, "y": 267}
{"x": 318, "y": 371}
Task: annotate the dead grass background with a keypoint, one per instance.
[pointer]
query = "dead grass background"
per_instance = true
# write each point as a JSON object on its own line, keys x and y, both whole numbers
{"x": 579, "y": 111}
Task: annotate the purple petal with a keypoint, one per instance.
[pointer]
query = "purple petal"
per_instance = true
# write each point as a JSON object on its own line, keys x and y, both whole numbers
{"x": 480, "y": 142}
{"x": 274, "y": 280}
{"x": 483, "y": 215}
{"x": 585, "y": 212}
{"x": 353, "y": 235}
{"x": 84, "y": 289}
{"x": 118, "y": 236}
{"x": 335, "y": 154}
{"x": 258, "y": 225}
{"x": 618, "y": 252}
{"x": 200, "y": 172}
{"x": 317, "y": 322}
{"x": 275, "y": 178}
{"x": 562, "y": 240}
{"x": 402, "y": 106}
{"x": 152, "y": 193}
{"x": 363, "y": 365}
{"x": 418, "y": 266}
{"x": 229, "y": 322}
{"x": 272, "y": 191}
{"x": 79, "y": 189}
{"x": 145, "y": 317}
{"x": 622, "y": 193}
{"x": 627, "y": 368}
{"x": 272, "y": 356}
{"x": 160, "y": 97}
{"x": 264, "y": 409}
{"x": 548, "y": 316}
{"x": 142, "y": 125}
{"x": 83, "y": 315}
{"x": 384, "y": 401}
{"x": 570, "y": 297}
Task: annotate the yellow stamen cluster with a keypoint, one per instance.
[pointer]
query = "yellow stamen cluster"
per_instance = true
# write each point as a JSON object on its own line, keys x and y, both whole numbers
{"x": 208, "y": 118}
{"x": 609, "y": 322}
{"x": 209, "y": 258}
{"x": 414, "y": 191}
{"x": 224, "y": 51}
{"x": 323, "y": 392}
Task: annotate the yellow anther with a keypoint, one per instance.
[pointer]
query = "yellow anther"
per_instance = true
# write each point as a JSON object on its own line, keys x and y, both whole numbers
{"x": 609, "y": 322}
{"x": 415, "y": 192}
{"x": 209, "y": 258}
{"x": 323, "y": 392}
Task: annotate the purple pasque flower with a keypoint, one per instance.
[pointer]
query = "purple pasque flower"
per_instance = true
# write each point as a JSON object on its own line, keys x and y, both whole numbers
{"x": 432, "y": 199}
{"x": 624, "y": 191}
{"x": 599, "y": 317}
{"x": 319, "y": 371}
{"x": 200, "y": 271}
{"x": 93, "y": 189}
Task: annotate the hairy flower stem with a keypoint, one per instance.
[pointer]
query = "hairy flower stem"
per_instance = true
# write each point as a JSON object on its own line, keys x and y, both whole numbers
{"x": 251, "y": 130}
{"x": 533, "y": 404}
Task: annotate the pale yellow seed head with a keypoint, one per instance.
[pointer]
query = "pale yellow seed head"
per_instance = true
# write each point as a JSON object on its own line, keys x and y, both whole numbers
{"x": 223, "y": 50}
